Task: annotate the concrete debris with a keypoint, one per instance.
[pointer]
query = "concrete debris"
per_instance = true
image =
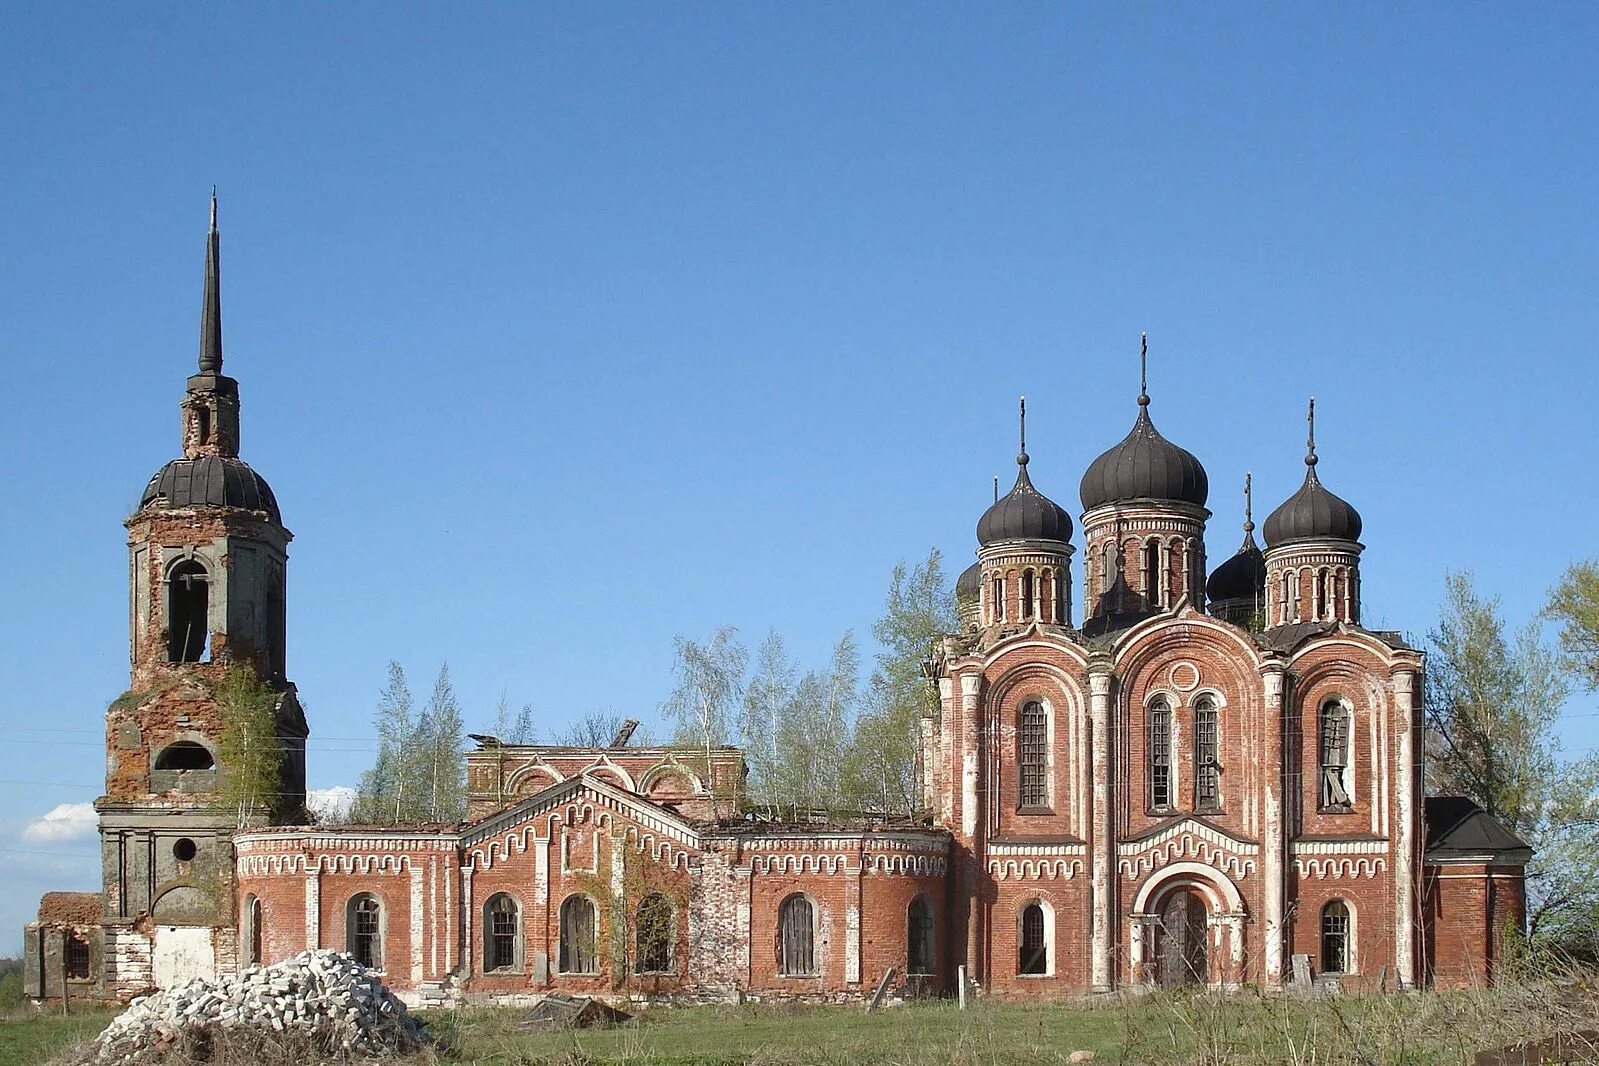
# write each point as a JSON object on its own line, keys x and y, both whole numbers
{"x": 327, "y": 998}
{"x": 559, "y": 1011}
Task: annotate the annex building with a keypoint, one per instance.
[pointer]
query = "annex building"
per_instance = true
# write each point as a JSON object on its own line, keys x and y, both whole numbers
{"x": 1212, "y": 775}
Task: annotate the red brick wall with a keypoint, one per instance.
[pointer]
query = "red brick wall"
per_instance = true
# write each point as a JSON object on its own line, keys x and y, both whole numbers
{"x": 1471, "y": 911}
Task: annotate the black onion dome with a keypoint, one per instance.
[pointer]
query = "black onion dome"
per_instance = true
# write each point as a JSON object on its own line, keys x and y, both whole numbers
{"x": 210, "y": 481}
{"x": 970, "y": 584}
{"x": 1145, "y": 466}
{"x": 1312, "y": 513}
{"x": 1024, "y": 513}
{"x": 1242, "y": 577}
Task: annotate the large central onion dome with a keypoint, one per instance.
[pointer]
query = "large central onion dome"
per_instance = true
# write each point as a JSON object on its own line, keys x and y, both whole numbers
{"x": 1312, "y": 513}
{"x": 1024, "y": 513}
{"x": 210, "y": 481}
{"x": 1145, "y": 466}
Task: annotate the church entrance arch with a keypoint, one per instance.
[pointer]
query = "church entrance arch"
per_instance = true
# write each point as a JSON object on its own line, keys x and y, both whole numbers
{"x": 1182, "y": 939}
{"x": 1187, "y": 928}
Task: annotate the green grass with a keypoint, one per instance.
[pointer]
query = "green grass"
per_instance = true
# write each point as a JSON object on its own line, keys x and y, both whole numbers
{"x": 31, "y": 1039}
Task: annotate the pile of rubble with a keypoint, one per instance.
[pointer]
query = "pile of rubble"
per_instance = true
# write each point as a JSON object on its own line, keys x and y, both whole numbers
{"x": 318, "y": 1000}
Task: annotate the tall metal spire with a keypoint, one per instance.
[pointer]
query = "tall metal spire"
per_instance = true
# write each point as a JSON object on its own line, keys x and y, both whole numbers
{"x": 1310, "y": 440}
{"x": 211, "y": 307}
{"x": 1143, "y": 370}
{"x": 1021, "y": 456}
{"x": 1249, "y": 503}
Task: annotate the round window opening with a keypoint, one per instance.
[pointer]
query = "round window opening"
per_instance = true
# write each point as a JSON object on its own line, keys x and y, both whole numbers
{"x": 184, "y": 850}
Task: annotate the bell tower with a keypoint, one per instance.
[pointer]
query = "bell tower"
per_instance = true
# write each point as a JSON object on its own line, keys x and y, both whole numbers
{"x": 207, "y": 552}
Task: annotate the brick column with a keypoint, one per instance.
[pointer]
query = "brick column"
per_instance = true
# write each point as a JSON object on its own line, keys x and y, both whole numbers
{"x": 1273, "y": 846}
{"x": 1406, "y": 837}
{"x": 1102, "y": 849}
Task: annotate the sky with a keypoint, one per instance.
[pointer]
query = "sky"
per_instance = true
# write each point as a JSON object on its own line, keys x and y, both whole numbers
{"x": 563, "y": 330}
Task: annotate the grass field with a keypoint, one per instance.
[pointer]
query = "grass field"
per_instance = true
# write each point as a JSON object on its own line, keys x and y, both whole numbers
{"x": 1163, "y": 1030}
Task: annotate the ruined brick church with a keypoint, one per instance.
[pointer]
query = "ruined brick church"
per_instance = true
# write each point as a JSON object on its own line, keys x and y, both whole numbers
{"x": 1213, "y": 778}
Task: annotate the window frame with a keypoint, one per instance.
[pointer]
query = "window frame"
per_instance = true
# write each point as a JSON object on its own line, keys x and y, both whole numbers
{"x": 568, "y": 951}
{"x": 1041, "y": 964}
{"x": 495, "y": 909}
{"x": 1158, "y": 756}
{"x": 1032, "y": 756}
{"x": 354, "y": 911}
{"x": 1345, "y": 937}
{"x": 921, "y": 932}
{"x": 787, "y": 921}
{"x": 1335, "y": 711}
{"x": 1207, "y": 765}
{"x": 668, "y": 946}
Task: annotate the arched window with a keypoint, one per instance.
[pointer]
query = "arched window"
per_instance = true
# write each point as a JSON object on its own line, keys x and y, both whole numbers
{"x": 1336, "y": 956}
{"x": 1034, "y": 945}
{"x": 1152, "y": 590}
{"x": 188, "y": 616}
{"x": 1322, "y": 581}
{"x": 1294, "y": 592}
{"x": 579, "y": 936}
{"x": 185, "y": 755}
{"x": 1032, "y": 737}
{"x": 500, "y": 928}
{"x": 797, "y": 938}
{"x": 1336, "y": 791}
{"x": 1158, "y": 737}
{"x": 76, "y": 951}
{"x": 253, "y": 915}
{"x": 363, "y": 930}
{"x": 1107, "y": 570}
{"x": 1207, "y": 753}
{"x": 655, "y": 935}
{"x": 1025, "y": 608}
{"x": 919, "y": 937}
{"x": 997, "y": 599}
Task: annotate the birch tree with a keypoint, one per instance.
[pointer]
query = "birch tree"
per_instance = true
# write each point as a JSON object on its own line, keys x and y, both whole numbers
{"x": 388, "y": 791}
{"x": 705, "y": 699}
{"x": 249, "y": 753}
{"x": 442, "y": 765}
{"x": 767, "y": 701}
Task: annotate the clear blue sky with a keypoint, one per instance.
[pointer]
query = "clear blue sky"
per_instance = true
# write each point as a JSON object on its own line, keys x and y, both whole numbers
{"x": 565, "y": 329}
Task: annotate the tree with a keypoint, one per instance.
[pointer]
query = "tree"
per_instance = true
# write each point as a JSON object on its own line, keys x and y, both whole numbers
{"x": 768, "y": 699}
{"x": 710, "y": 682}
{"x": 883, "y": 769}
{"x": 443, "y": 767}
{"x": 1574, "y": 605}
{"x": 813, "y": 734}
{"x": 517, "y": 729}
{"x": 1492, "y": 706}
{"x": 248, "y": 749}
{"x": 389, "y": 790}
{"x": 596, "y": 729}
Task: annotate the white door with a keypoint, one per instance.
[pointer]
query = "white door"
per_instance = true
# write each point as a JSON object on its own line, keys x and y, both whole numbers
{"x": 181, "y": 952}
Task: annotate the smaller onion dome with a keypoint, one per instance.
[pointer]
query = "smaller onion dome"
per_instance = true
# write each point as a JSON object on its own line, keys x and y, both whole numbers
{"x": 1145, "y": 466}
{"x": 1312, "y": 513}
{"x": 210, "y": 481}
{"x": 970, "y": 584}
{"x": 1242, "y": 577}
{"x": 1024, "y": 513}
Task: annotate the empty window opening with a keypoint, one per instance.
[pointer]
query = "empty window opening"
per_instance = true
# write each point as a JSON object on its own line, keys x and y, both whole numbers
{"x": 657, "y": 929}
{"x": 255, "y": 914}
{"x": 1335, "y": 790}
{"x": 797, "y": 938}
{"x": 1207, "y": 769}
{"x": 1152, "y": 591}
{"x": 1031, "y": 759}
{"x": 203, "y": 419}
{"x": 185, "y": 755}
{"x": 919, "y": 937}
{"x": 997, "y": 600}
{"x": 76, "y": 952}
{"x": 184, "y": 850}
{"x": 579, "y": 936}
{"x": 188, "y": 626}
{"x": 363, "y": 937}
{"x": 1335, "y": 938}
{"x": 500, "y": 929}
{"x": 1034, "y": 954}
{"x": 1160, "y": 755}
{"x": 1026, "y": 605}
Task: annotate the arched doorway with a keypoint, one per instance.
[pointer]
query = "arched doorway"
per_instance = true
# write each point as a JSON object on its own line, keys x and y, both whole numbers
{"x": 1182, "y": 939}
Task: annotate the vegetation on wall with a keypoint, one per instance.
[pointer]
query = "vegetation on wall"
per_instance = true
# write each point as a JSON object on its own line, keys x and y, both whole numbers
{"x": 248, "y": 750}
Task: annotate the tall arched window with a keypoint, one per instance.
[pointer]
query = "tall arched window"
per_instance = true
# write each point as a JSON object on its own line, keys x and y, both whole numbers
{"x": 1026, "y": 606}
{"x": 1032, "y": 760}
{"x": 253, "y": 915}
{"x": 579, "y": 936}
{"x": 501, "y": 925}
{"x": 188, "y": 614}
{"x": 919, "y": 937}
{"x": 1033, "y": 955}
{"x": 1107, "y": 570}
{"x": 1207, "y": 755}
{"x": 1294, "y": 592}
{"x": 997, "y": 599}
{"x": 1337, "y": 793}
{"x": 363, "y": 930}
{"x": 797, "y": 938}
{"x": 1336, "y": 956}
{"x": 1158, "y": 737}
{"x": 1152, "y": 590}
{"x": 655, "y": 933}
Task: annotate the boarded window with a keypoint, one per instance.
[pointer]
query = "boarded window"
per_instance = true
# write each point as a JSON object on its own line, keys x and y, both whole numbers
{"x": 1034, "y": 954}
{"x": 655, "y": 933}
{"x": 1207, "y": 768}
{"x": 1335, "y": 792}
{"x": 77, "y": 958}
{"x": 797, "y": 937}
{"x": 579, "y": 936}
{"x": 499, "y": 933}
{"x": 1032, "y": 736}
{"x": 1335, "y": 938}
{"x": 188, "y": 625}
{"x": 363, "y": 933}
{"x": 919, "y": 937}
{"x": 1159, "y": 739}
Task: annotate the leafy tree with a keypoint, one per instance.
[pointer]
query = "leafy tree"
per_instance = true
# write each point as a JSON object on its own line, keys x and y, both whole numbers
{"x": 1492, "y": 707}
{"x": 443, "y": 766}
{"x": 514, "y": 729}
{"x": 813, "y": 735}
{"x": 248, "y": 749}
{"x": 768, "y": 699}
{"x": 389, "y": 791}
{"x": 1574, "y": 605}
{"x": 709, "y": 687}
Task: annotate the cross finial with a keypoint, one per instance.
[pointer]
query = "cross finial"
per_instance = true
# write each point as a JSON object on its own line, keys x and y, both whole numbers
{"x": 1249, "y": 503}
{"x": 213, "y": 209}
{"x": 211, "y": 302}
{"x": 1021, "y": 456}
{"x": 996, "y": 488}
{"x": 1143, "y": 370}
{"x": 1310, "y": 440}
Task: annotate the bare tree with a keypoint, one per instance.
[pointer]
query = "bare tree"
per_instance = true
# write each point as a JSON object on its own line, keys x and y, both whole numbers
{"x": 517, "y": 728}
{"x": 704, "y": 703}
{"x": 767, "y": 700}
